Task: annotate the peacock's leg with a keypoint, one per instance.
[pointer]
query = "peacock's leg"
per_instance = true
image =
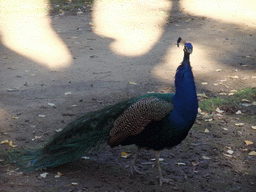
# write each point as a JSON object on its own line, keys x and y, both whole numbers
{"x": 133, "y": 168}
{"x": 161, "y": 179}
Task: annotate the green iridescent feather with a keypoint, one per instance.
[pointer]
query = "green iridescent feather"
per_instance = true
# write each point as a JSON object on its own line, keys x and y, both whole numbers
{"x": 76, "y": 139}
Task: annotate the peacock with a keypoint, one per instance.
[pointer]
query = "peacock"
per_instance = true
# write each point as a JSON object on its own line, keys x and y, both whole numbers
{"x": 152, "y": 121}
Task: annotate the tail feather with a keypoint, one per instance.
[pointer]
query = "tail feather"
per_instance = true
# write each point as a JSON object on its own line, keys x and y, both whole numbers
{"x": 75, "y": 140}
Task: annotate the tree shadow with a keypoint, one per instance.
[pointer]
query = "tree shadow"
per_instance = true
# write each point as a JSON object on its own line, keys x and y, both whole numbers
{"x": 178, "y": 24}
{"x": 100, "y": 73}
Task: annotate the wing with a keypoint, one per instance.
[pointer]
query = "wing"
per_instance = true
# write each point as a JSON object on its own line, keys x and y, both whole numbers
{"x": 134, "y": 119}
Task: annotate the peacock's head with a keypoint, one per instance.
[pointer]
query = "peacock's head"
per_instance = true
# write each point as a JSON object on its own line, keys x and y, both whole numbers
{"x": 188, "y": 48}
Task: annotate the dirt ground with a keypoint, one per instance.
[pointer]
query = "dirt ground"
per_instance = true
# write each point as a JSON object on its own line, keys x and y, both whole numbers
{"x": 214, "y": 157}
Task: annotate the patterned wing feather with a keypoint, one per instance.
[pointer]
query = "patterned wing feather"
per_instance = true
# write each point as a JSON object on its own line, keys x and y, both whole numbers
{"x": 134, "y": 119}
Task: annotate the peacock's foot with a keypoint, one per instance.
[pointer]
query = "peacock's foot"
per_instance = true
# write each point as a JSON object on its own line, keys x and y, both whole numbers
{"x": 134, "y": 169}
{"x": 162, "y": 180}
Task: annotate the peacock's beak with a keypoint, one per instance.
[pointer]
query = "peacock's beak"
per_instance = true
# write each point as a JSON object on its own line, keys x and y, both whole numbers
{"x": 190, "y": 51}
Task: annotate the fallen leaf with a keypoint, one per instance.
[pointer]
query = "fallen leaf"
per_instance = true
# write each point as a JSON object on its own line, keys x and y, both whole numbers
{"x": 15, "y": 117}
{"x": 181, "y": 164}
{"x": 61, "y": 12}
{"x": 36, "y": 137}
{"x": 125, "y": 155}
{"x": 239, "y": 112}
{"x": 160, "y": 159}
{"x": 206, "y": 131}
{"x": 204, "y": 83}
{"x": 239, "y": 124}
{"x": 203, "y": 113}
{"x": 58, "y": 175}
{"x": 253, "y": 127}
{"x": 41, "y": 115}
{"x": 252, "y": 153}
{"x": 230, "y": 94}
{"x": 234, "y": 77}
{"x": 51, "y": 104}
{"x": 230, "y": 152}
{"x": 215, "y": 84}
{"x": 195, "y": 163}
{"x": 208, "y": 120}
{"x": 233, "y": 91}
{"x": 73, "y": 183}
{"x": 206, "y": 158}
{"x": 222, "y": 93}
{"x": 247, "y": 142}
{"x": 194, "y": 170}
{"x": 206, "y": 116}
{"x": 244, "y": 149}
{"x": 246, "y": 101}
{"x": 11, "y": 145}
{"x": 13, "y": 90}
{"x": 132, "y": 83}
{"x": 225, "y": 129}
{"x": 85, "y": 157}
{"x": 68, "y": 93}
{"x": 167, "y": 88}
{"x": 227, "y": 155}
{"x": 58, "y": 130}
{"x": 44, "y": 175}
{"x": 4, "y": 142}
{"x": 218, "y": 110}
{"x": 202, "y": 95}
{"x": 73, "y": 105}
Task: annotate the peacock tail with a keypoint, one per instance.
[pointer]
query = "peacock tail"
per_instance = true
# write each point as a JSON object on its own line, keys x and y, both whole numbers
{"x": 80, "y": 136}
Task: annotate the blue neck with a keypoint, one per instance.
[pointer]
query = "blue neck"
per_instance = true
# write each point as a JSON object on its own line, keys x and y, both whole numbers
{"x": 185, "y": 99}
